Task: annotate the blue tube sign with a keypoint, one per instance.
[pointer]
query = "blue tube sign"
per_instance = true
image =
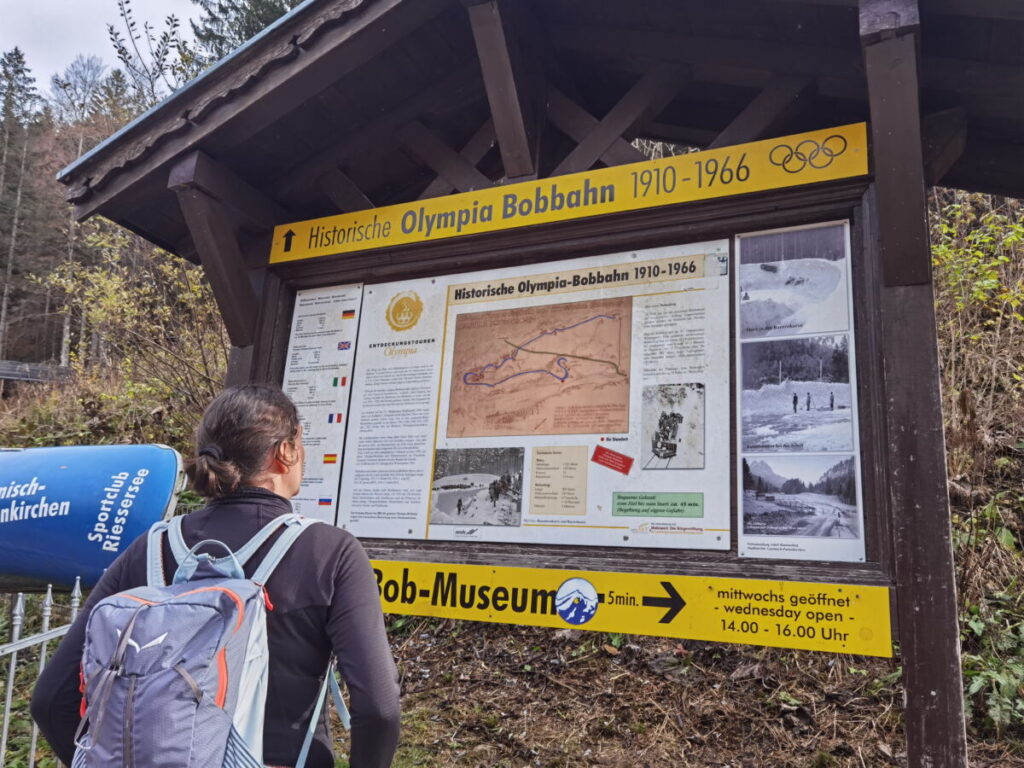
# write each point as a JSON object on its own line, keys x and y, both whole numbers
{"x": 67, "y": 512}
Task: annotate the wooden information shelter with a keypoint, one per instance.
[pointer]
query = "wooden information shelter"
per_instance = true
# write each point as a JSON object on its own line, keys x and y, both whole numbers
{"x": 357, "y": 144}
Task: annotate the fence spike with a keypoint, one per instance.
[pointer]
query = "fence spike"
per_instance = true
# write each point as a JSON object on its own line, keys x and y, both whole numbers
{"x": 18, "y": 618}
{"x": 76, "y": 598}
{"x": 47, "y": 612}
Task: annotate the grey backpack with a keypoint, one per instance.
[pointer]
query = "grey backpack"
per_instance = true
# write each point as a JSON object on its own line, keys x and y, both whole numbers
{"x": 175, "y": 676}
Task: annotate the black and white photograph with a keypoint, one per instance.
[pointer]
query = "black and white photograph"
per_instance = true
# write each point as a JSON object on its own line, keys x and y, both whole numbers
{"x": 477, "y": 486}
{"x": 797, "y": 395}
{"x": 794, "y": 283}
{"x": 814, "y": 496}
{"x": 672, "y": 416}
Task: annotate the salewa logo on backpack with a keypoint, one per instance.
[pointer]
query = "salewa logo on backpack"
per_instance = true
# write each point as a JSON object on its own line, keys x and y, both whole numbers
{"x": 210, "y": 623}
{"x": 150, "y": 644}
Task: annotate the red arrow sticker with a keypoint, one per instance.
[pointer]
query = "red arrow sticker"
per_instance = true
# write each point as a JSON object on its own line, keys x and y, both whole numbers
{"x": 612, "y": 459}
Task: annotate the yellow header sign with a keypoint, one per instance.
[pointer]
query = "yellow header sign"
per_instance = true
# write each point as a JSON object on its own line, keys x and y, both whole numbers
{"x": 786, "y": 614}
{"x": 806, "y": 158}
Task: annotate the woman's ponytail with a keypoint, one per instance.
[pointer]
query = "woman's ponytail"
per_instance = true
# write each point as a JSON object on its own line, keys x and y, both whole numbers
{"x": 238, "y": 431}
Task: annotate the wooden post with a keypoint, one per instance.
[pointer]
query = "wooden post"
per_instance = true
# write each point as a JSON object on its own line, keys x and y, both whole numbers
{"x": 896, "y": 215}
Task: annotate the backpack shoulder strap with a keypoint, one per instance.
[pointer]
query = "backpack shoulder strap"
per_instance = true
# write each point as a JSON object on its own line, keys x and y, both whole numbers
{"x": 247, "y": 550}
{"x": 295, "y": 526}
{"x": 176, "y": 539}
{"x": 154, "y": 554}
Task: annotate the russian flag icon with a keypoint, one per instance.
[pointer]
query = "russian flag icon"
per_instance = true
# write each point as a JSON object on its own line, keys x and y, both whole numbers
{"x": 325, "y": 503}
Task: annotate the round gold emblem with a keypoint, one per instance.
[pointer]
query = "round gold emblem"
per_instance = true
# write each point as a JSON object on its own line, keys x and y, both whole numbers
{"x": 404, "y": 310}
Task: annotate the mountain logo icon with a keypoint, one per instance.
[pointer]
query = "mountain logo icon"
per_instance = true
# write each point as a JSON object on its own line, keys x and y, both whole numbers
{"x": 576, "y": 601}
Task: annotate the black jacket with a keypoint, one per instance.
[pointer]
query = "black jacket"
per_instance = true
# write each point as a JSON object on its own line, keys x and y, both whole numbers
{"x": 325, "y": 599}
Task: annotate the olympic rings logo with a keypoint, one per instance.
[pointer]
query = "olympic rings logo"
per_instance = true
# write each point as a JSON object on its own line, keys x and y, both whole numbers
{"x": 807, "y": 153}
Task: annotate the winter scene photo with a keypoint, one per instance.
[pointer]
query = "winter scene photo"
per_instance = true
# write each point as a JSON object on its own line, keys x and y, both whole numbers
{"x": 793, "y": 283}
{"x": 673, "y": 426}
{"x": 477, "y": 486}
{"x": 800, "y": 496}
{"x": 797, "y": 396}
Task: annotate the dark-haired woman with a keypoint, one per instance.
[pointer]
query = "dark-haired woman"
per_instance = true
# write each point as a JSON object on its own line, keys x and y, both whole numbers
{"x": 324, "y": 594}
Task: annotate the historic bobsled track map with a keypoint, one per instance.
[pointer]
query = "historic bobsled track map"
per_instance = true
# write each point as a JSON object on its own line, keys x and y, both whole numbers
{"x": 476, "y": 378}
{"x": 569, "y": 376}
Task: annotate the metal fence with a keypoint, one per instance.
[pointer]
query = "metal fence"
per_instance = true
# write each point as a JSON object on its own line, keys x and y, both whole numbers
{"x": 25, "y": 634}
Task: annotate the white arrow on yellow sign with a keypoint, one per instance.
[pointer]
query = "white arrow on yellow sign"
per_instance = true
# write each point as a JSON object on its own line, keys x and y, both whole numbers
{"x": 840, "y": 618}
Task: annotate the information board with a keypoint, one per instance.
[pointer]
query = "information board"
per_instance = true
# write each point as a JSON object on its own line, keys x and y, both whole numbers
{"x": 796, "y": 396}
{"x": 567, "y": 406}
{"x": 788, "y": 614}
{"x": 317, "y": 377}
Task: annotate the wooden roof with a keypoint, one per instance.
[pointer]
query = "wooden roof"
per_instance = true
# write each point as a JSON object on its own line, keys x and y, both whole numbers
{"x": 346, "y": 104}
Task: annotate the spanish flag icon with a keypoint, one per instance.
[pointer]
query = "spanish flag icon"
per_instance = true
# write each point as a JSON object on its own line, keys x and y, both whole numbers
{"x": 330, "y": 458}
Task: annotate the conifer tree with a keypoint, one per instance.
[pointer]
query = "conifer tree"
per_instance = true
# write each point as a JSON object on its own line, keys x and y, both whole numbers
{"x": 226, "y": 24}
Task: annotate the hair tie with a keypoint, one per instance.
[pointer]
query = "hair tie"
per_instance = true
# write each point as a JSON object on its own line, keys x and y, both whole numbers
{"x": 213, "y": 451}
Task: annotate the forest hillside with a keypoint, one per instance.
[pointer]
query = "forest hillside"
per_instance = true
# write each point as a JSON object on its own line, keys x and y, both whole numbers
{"x": 136, "y": 334}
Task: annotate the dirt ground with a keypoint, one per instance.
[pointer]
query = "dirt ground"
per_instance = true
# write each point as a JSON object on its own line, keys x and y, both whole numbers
{"x": 492, "y": 695}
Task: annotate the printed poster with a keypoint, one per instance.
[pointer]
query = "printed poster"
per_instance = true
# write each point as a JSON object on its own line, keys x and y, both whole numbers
{"x": 564, "y": 403}
{"x": 799, "y": 455}
{"x": 318, "y": 377}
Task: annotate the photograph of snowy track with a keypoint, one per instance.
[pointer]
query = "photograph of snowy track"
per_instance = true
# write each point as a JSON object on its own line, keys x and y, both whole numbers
{"x": 814, "y": 496}
{"x": 796, "y": 395}
{"x": 556, "y": 369}
{"x": 792, "y": 283}
{"x": 477, "y": 486}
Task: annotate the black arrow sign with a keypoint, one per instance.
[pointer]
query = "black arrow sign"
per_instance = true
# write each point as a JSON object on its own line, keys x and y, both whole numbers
{"x": 674, "y": 602}
{"x": 288, "y": 237}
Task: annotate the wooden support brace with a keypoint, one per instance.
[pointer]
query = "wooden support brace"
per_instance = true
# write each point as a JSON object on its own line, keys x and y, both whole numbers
{"x": 896, "y": 213}
{"x": 944, "y": 137}
{"x": 221, "y": 257}
{"x": 780, "y": 100}
{"x": 343, "y": 192}
{"x": 644, "y": 100}
{"x": 249, "y": 205}
{"x": 424, "y": 144}
{"x": 475, "y": 150}
{"x": 576, "y": 123}
{"x": 898, "y": 164}
{"x": 512, "y": 95}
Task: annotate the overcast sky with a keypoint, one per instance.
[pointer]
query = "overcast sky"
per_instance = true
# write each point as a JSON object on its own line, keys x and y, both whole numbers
{"x": 53, "y": 32}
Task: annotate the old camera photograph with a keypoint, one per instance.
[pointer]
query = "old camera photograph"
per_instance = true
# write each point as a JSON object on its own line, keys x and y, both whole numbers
{"x": 793, "y": 283}
{"x": 800, "y": 496}
{"x": 672, "y": 416}
{"x": 477, "y": 486}
{"x": 797, "y": 395}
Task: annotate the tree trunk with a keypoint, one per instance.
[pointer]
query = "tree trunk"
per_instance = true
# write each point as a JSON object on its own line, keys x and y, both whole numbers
{"x": 3, "y": 156}
{"x": 9, "y": 273}
{"x": 65, "y": 335}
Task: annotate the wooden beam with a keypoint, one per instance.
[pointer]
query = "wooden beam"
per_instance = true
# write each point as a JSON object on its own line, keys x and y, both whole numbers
{"x": 576, "y": 123}
{"x": 990, "y": 167}
{"x": 253, "y": 208}
{"x": 898, "y": 160}
{"x": 643, "y": 101}
{"x": 677, "y": 134}
{"x": 884, "y": 18}
{"x": 839, "y": 70}
{"x": 1007, "y": 10}
{"x": 780, "y": 100}
{"x": 343, "y": 192}
{"x": 221, "y": 257}
{"x": 479, "y": 144}
{"x": 463, "y": 82}
{"x": 944, "y": 137}
{"x": 925, "y": 581}
{"x": 512, "y": 96}
{"x": 424, "y": 144}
